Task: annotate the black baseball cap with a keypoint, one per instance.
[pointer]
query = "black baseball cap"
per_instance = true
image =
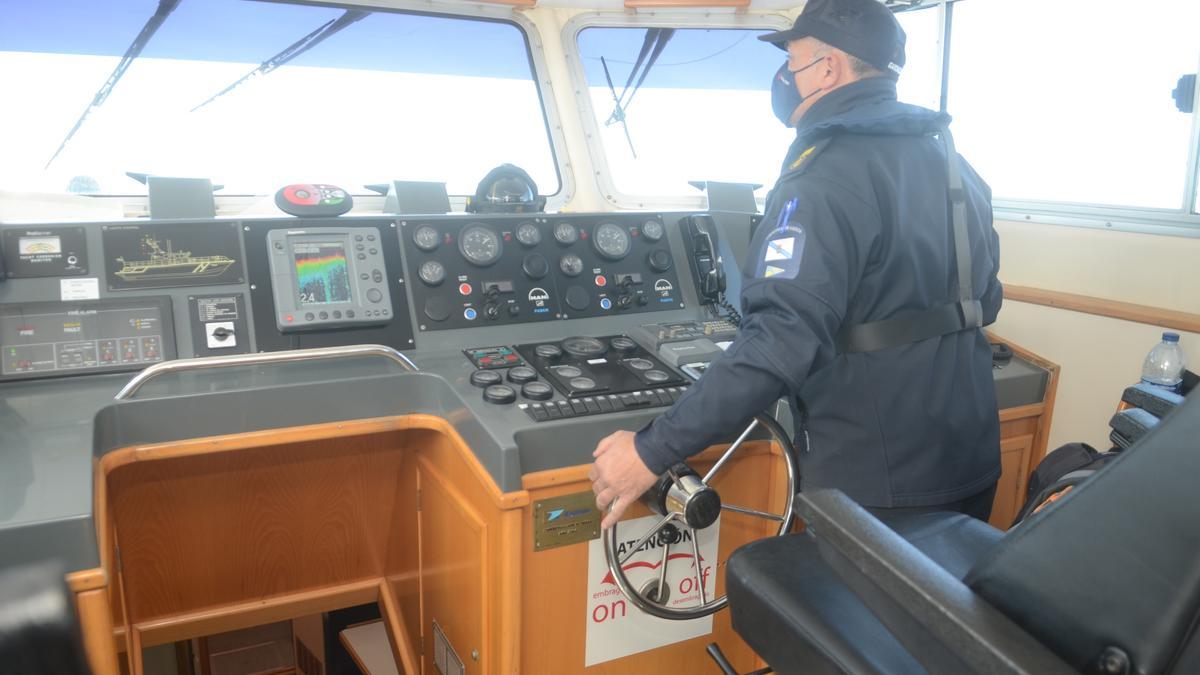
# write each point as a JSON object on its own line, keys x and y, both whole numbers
{"x": 862, "y": 28}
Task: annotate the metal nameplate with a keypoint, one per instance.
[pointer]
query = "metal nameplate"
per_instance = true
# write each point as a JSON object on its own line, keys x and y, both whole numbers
{"x": 564, "y": 520}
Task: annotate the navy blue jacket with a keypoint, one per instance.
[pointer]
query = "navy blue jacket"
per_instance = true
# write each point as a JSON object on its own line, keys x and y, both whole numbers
{"x": 857, "y": 230}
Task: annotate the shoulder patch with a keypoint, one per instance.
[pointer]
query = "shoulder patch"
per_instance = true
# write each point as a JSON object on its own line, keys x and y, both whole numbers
{"x": 805, "y": 158}
{"x": 800, "y": 160}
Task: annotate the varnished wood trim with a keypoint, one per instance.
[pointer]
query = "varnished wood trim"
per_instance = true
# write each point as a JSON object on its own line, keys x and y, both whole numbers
{"x": 87, "y": 580}
{"x": 1126, "y": 311}
{"x": 245, "y": 614}
{"x": 508, "y": 582}
{"x": 635, "y": 4}
{"x": 1021, "y": 412}
{"x": 514, "y": 3}
{"x": 402, "y": 648}
{"x": 95, "y": 622}
{"x": 574, "y": 474}
{"x": 268, "y": 437}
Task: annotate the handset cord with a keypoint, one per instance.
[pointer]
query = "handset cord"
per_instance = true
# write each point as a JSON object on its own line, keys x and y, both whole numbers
{"x": 734, "y": 316}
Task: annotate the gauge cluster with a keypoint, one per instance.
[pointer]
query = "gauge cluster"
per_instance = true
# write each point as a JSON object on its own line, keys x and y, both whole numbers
{"x": 480, "y": 270}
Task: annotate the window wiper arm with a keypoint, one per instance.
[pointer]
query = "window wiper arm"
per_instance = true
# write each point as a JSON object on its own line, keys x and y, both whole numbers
{"x": 618, "y": 114}
{"x": 165, "y": 7}
{"x": 655, "y": 42}
{"x": 327, "y": 30}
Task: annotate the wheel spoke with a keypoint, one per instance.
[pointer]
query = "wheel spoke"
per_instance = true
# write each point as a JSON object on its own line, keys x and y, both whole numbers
{"x": 752, "y": 512}
{"x": 662, "y": 573}
{"x": 699, "y": 566}
{"x": 645, "y": 538}
{"x": 729, "y": 453}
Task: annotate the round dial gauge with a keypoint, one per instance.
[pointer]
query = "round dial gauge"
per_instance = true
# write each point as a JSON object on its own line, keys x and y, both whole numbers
{"x": 571, "y": 265}
{"x": 652, "y": 230}
{"x": 566, "y": 234}
{"x": 528, "y": 234}
{"x": 426, "y": 238}
{"x": 611, "y": 241}
{"x": 479, "y": 245}
{"x": 432, "y": 272}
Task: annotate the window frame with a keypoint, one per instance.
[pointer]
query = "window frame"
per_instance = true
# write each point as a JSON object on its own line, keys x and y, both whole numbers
{"x": 234, "y": 204}
{"x": 583, "y": 100}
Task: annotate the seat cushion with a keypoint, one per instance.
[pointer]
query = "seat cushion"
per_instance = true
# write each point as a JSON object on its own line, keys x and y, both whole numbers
{"x": 791, "y": 607}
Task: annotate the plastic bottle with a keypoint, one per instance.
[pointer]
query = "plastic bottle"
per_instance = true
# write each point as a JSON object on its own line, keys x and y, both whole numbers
{"x": 1164, "y": 364}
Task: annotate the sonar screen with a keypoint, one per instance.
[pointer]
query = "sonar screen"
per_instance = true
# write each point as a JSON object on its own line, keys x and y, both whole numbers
{"x": 328, "y": 277}
{"x": 322, "y": 273}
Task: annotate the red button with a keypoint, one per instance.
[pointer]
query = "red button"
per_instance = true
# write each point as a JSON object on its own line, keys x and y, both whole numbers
{"x": 600, "y": 280}
{"x": 511, "y": 357}
{"x": 288, "y": 318}
{"x": 464, "y": 289}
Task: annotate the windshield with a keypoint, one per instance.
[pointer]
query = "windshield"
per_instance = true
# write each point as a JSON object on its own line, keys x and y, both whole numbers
{"x": 256, "y": 95}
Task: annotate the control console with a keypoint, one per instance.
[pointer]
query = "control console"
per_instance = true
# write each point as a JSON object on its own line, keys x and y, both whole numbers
{"x": 576, "y": 376}
{"x": 519, "y": 269}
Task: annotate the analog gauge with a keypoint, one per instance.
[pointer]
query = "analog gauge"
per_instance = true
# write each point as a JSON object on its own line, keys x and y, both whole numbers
{"x": 652, "y": 230}
{"x": 426, "y": 238}
{"x": 611, "y": 241}
{"x": 479, "y": 245}
{"x": 566, "y": 234}
{"x": 432, "y": 272}
{"x": 571, "y": 265}
{"x": 528, "y": 234}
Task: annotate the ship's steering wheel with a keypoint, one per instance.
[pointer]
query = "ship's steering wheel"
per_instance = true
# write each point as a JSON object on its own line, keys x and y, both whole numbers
{"x": 686, "y": 501}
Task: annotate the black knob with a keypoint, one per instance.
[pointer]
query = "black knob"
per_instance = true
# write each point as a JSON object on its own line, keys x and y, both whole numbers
{"x": 622, "y": 344}
{"x": 437, "y": 309}
{"x": 522, "y": 374}
{"x": 514, "y": 309}
{"x": 643, "y": 301}
{"x": 535, "y": 266}
{"x": 659, "y": 260}
{"x": 221, "y": 333}
{"x": 499, "y": 394}
{"x": 578, "y": 299}
{"x": 485, "y": 378}
{"x": 537, "y": 391}
{"x": 623, "y": 301}
{"x": 491, "y": 311}
{"x": 702, "y": 509}
{"x": 550, "y": 352}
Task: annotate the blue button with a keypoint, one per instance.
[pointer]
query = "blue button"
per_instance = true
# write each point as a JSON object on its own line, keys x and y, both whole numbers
{"x": 605, "y": 303}
{"x": 470, "y": 313}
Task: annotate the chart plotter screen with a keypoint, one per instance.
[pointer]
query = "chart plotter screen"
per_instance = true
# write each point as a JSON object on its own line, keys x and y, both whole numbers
{"x": 322, "y": 273}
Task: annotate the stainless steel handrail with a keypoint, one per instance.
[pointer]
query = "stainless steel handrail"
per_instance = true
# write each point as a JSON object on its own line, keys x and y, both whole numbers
{"x": 184, "y": 365}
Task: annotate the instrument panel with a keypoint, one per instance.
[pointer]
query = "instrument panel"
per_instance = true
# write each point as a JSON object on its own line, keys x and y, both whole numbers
{"x": 521, "y": 268}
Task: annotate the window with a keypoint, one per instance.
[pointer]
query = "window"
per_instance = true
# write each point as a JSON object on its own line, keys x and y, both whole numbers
{"x": 384, "y": 95}
{"x": 702, "y": 113}
{"x": 1070, "y": 101}
{"x": 921, "y": 81}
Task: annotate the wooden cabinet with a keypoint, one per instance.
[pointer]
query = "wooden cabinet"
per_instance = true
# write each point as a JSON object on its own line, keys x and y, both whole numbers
{"x": 1024, "y": 432}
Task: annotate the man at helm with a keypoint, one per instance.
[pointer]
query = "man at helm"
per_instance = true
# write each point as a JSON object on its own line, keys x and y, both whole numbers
{"x": 858, "y": 306}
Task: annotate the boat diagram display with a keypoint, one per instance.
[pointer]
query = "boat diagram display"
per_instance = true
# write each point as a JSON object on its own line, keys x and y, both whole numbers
{"x": 168, "y": 255}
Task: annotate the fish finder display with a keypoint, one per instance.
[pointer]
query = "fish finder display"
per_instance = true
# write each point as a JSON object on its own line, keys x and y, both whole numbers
{"x": 322, "y": 273}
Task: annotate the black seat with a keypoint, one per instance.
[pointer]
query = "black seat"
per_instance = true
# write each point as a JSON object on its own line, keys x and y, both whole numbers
{"x": 39, "y": 632}
{"x": 1106, "y": 580}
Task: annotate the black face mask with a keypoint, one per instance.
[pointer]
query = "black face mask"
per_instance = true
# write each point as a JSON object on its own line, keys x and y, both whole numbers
{"x": 785, "y": 98}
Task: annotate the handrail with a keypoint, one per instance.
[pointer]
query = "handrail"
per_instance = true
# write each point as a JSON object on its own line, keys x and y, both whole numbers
{"x": 1126, "y": 311}
{"x": 184, "y": 365}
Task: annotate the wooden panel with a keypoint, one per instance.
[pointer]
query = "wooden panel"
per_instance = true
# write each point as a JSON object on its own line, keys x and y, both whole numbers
{"x": 454, "y": 584}
{"x": 220, "y": 619}
{"x": 635, "y": 4}
{"x": 1010, "y": 492}
{"x": 555, "y": 580}
{"x": 399, "y": 633}
{"x": 209, "y": 530}
{"x": 1127, "y": 311}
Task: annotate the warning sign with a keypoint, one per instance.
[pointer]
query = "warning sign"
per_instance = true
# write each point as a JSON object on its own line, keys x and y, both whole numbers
{"x": 615, "y": 627}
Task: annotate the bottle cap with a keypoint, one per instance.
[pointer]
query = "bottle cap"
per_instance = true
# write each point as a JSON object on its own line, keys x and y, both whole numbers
{"x": 1170, "y": 337}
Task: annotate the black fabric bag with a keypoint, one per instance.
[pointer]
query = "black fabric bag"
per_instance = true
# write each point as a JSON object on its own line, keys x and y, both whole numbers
{"x": 1061, "y": 471}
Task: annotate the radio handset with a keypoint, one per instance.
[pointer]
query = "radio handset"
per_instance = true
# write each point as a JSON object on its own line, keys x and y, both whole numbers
{"x": 706, "y": 262}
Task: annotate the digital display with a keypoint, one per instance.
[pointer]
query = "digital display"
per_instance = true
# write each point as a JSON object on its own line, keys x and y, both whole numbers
{"x": 39, "y": 245}
{"x": 322, "y": 272}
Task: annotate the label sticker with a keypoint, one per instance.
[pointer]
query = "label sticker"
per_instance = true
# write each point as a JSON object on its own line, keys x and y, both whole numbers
{"x": 615, "y": 627}
{"x": 80, "y": 289}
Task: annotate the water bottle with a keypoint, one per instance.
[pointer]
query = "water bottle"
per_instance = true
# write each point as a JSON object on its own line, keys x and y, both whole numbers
{"x": 1164, "y": 365}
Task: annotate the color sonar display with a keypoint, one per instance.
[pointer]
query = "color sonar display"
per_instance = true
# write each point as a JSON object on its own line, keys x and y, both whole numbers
{"x": 321, "y": 272}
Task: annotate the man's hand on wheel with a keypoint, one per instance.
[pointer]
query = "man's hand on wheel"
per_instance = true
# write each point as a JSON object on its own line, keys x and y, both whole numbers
{"x": 618, "y": 476}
